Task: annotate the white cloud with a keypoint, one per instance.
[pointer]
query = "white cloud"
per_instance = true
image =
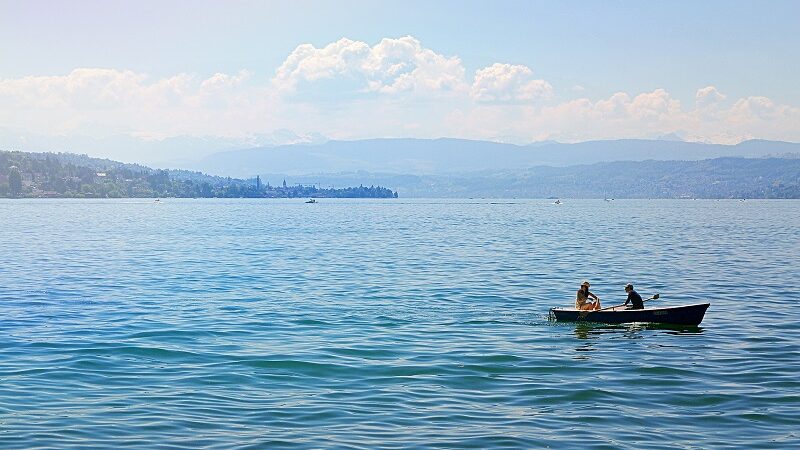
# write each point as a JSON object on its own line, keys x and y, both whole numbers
{"x": 647, "y": 115}
{"x": 708, "y": 97}
{"x": 508, "y": 83}
{"x": 616, "y": 107}
{"x": 85, "y": 88}
{"x": 390, "y": 67}
{"x": 123, "y": 101}
{"x": 656, "y": 105}
{"x": 396, "y": 87}
{"x": 762, "y": 109}
{"x": 92, "y": 88}
{"x": 307, "y": 63}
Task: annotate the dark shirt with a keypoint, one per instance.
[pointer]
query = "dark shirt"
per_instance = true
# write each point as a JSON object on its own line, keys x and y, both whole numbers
{"x": 635, "y": 300}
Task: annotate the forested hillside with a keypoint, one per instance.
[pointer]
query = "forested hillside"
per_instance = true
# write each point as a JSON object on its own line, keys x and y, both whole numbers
{"x": 64, "y": 175}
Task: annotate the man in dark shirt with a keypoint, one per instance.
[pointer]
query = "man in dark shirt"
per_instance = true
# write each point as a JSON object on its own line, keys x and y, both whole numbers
{"x": 633, "y": 298}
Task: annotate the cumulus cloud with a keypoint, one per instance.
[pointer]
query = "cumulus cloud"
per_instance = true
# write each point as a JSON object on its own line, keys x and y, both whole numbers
{"x": 644, "y": 111}
{"x": 397, "y": 87}
{"x": 224, "y": 80}
{"x": 87, "y": 88}
{"x": 131, "y": 102}
{"x": 656, "y": 105}
{"x": 92, "y": 88}
{"x": 508, "y": 83}
{"x": 646, "y": 115}
{"x": 708, "y": 97}
{"x": 762, "y": 109}
{"x": 615, "y": 107}
{"x": 389, "y": 67}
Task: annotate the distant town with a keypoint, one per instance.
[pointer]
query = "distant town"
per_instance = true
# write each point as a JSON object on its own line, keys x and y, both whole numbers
{"x": 65, "y": 175}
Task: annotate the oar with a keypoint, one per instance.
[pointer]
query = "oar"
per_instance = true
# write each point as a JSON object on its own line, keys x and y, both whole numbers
{"x": 655, "y": 297}
{"x": 583, "y": 314}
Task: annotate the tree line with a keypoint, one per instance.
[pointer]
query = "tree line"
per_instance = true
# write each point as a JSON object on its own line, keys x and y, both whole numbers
{"x": 64, "y": 175}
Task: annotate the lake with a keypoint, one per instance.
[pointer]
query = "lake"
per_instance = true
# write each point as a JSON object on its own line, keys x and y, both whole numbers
{"x": 394, "y": 323}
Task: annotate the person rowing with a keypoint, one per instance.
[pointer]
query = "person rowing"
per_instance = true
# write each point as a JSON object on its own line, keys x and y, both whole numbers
{"x": 633, "y": 298}
{"x": 582, "y": 300}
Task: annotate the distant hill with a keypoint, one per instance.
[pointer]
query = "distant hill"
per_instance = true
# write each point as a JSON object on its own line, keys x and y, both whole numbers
{"x": 452, "y": 156}
{"x": 66, "y": 175}
{"x": 711, "y": 178}
{"x": 69, "y": 175}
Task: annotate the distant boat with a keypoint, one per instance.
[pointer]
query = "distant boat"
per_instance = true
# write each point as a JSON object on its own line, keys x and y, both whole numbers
{"x": 311, "y": 200}
{"x": 557, "y": 202}
{"x": 157, "y": 201}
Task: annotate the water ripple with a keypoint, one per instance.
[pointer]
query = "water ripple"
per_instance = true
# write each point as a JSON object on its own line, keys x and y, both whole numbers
{"x": 386, "y": 324}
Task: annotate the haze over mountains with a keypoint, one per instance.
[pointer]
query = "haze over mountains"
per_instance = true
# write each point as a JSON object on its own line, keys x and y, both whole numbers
{"x": 456, "y": 156}
{"x": 465, "y": 168}
{"x": 289, "y": 153}
{"x": 171, "y": 152}
{"x": 709, "y": 178}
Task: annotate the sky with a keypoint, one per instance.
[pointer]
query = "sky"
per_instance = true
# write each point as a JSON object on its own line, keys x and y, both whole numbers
{"x": 508, "y": 71}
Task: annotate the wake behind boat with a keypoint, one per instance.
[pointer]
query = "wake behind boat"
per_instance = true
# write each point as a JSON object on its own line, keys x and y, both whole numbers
{"x": 676, "y": 315}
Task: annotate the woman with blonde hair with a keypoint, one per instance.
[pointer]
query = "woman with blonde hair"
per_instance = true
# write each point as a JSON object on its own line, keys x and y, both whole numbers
{"x": 582, "y": 300}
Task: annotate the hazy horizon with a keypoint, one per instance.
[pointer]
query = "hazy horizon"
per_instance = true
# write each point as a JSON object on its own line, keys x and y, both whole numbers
{"x": 131, "y": 76}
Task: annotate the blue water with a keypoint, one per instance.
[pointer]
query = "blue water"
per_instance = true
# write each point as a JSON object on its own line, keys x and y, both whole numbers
{"x": 394, "y": 324}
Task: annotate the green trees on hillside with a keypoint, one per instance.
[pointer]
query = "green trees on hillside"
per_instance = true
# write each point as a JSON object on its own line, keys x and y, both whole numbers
{"x": 14, "y": 181}
{"x": 66, "y": 175}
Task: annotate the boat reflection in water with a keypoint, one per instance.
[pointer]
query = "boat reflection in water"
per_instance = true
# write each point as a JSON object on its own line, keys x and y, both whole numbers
{"x": 590, "y": 335}
{"x": 593, "y": 330}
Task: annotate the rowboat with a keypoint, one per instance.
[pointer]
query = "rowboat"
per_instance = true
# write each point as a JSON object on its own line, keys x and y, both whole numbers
{"x": 678, "y": 315}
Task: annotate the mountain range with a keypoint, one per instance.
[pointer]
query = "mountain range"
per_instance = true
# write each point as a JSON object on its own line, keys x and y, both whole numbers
{"x": 728, "y": 177}
{"x": 463, "y": 168}
{"x": 457, "y": 156}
